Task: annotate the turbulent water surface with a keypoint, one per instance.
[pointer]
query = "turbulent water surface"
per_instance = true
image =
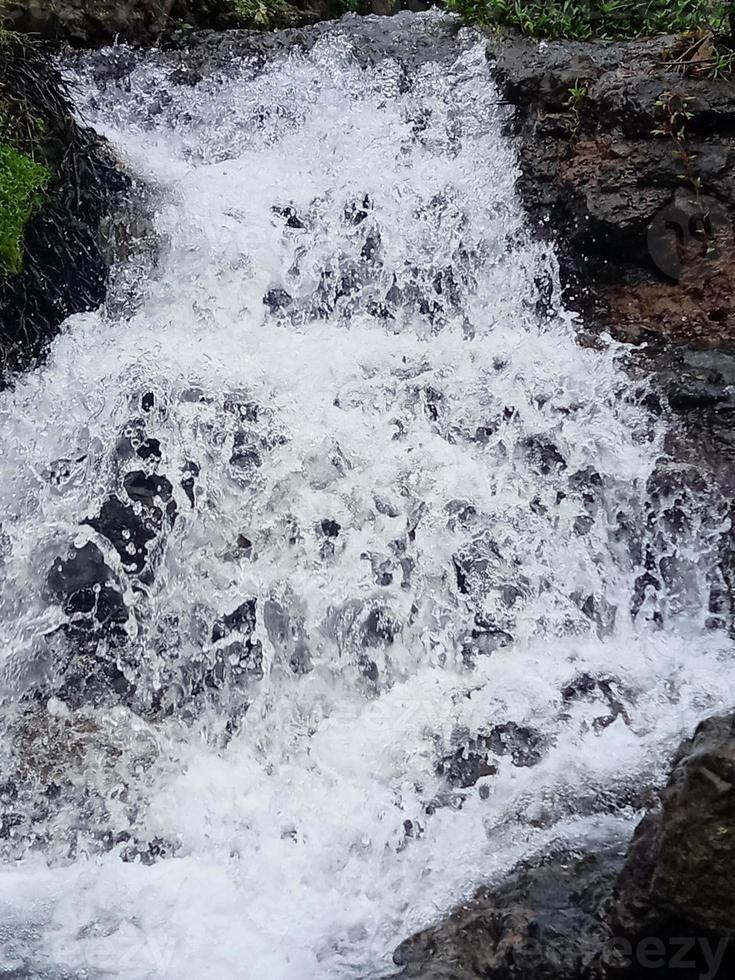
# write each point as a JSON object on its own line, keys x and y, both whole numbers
{"x": 337, "y": 577}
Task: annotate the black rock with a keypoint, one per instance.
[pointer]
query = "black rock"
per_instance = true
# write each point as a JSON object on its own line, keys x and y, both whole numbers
{"x": 542, "y": 923}
{"x": 277, "y": 299}
{"x": 127, "y": 531}
{"x": 78, "y": 573}
{"x": 465, "y": 767}
{"x": 245, "y": 452}
{"x": 241, "y": 619}
{"x": 679, "y": 875}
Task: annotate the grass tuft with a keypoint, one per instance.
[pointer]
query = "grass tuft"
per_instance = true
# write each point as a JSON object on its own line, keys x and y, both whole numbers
{"x": 604, "y": 19}
{"x": 22, "y": 182}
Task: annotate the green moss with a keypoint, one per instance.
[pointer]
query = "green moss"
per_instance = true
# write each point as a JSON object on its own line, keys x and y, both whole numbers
{"x": 22, "y": 182}
{"x": 596, "y": 18}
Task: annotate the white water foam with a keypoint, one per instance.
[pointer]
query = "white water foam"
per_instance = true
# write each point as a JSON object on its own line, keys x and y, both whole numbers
{"x": 389, "y": 346}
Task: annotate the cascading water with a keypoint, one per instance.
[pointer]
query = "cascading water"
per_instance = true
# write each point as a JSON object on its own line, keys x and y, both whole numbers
{"x": 337, "y": 576}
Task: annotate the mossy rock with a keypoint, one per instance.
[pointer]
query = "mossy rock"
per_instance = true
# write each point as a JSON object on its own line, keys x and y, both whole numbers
{"x": 58, "y": 184}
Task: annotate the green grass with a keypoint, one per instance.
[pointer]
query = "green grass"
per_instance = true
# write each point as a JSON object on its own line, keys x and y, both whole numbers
{"x": 22, "y": 182}
{"x": 585, "y": 19}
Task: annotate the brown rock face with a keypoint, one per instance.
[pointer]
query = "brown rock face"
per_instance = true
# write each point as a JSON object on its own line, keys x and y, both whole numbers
{"x": 635, "y": 176}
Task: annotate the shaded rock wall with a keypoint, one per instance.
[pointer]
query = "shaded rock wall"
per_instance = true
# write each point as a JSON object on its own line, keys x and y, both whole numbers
{"x": 87, "y": 21}
{"x": 90, "y": 23}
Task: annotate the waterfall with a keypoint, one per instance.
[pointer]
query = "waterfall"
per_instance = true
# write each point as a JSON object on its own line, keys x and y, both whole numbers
{"x": 337, "y": 575}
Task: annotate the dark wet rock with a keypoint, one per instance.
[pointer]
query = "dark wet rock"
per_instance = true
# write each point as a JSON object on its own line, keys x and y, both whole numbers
{"x": 87, "y": 590}
{"x": 605, "y": 690}
{"x": 234, "y": 664}
{"x": 78, "y": 573}
{"x": 253, "y": 437}
{"x": 461, "y": 513}
{"x": 245, "y": 545}
{"x": 132, "y": 527}
{"x": 290, "y": 216}
{"x": 245, "y": 455}
{"x": 188, "y": 481}
{"x": 133, "y": 851}
{"x": 477, "y": 756}
{"x": 543, "y": 455}
{"x": 300, "y": 660}
{"x": 465, "y": 766}
{"x": 149, "y": 490}
{"x": 83, "y": 22}
{"x": 379, "y": 628}
{"x": 524, "y": 745}
{"x": 542, "y": 923}
{"x": 369, "y": 670}
{"x": 149, "y": 449}
{"x": 382, "y": 567}
{"x": 85, "y": 668}
{"x": 241, "y": 656}
{"x": 679, "y": 876}
{"x": 357, "y": 212}
{"x": 484, "y": 640}
{"x": 330, "y": 528}
{"x": 202, "y": 53}
{"x": 277, "y": 299}
{"x": 277, "y": 624}
{"x": 601, "y": 612}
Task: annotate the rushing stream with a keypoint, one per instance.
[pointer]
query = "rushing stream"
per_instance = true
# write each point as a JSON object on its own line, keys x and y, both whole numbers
{"x": 337, "y": 576}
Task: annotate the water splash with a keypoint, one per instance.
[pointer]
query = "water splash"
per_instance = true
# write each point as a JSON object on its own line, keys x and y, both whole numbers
{"x": 337, "y": 576}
